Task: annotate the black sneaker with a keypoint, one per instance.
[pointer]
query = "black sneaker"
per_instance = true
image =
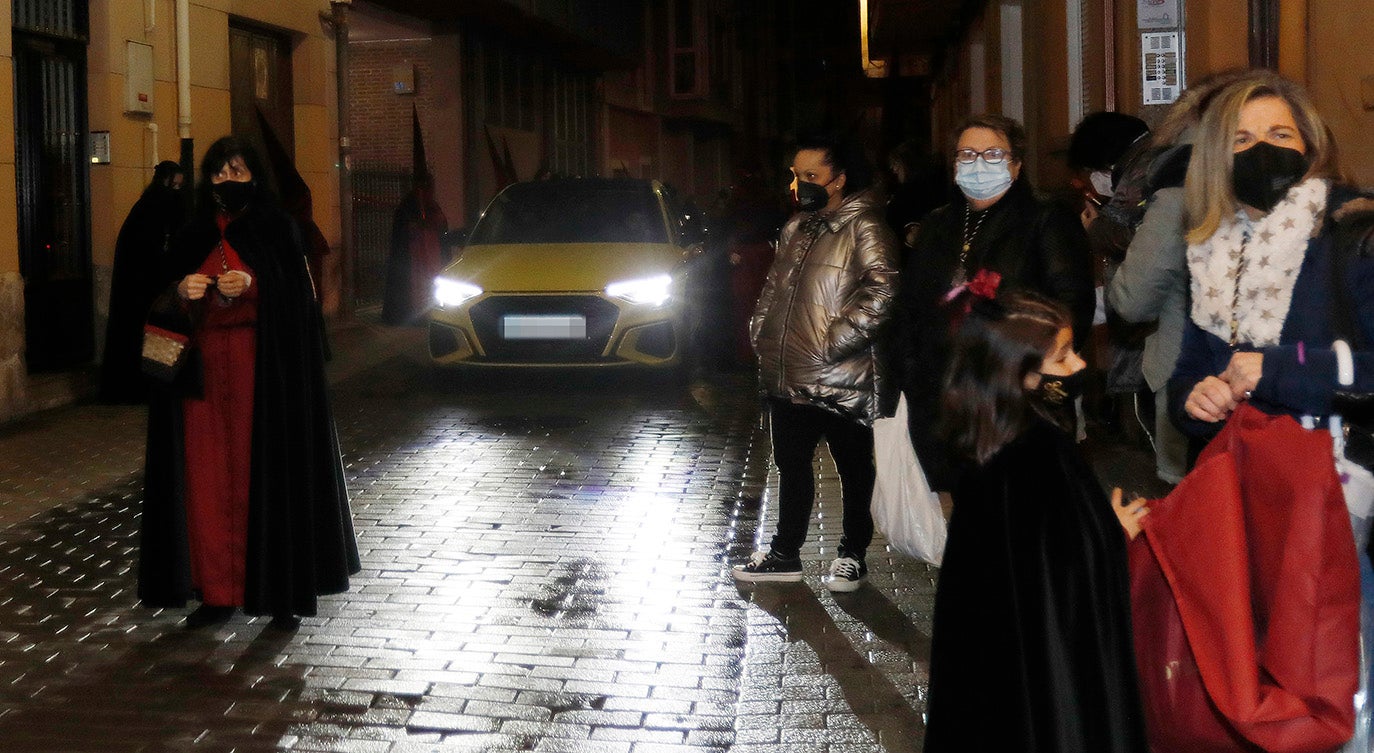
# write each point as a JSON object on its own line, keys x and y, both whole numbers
{"x": 846, "y": 574}
{"x": 767, "y": 566}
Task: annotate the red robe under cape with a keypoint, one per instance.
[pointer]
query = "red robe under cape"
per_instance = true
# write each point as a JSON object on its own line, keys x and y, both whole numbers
{"x": 1246, "y": 597}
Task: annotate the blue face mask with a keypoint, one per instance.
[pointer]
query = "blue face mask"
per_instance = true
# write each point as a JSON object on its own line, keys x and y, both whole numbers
{"x": 981, "y": 181}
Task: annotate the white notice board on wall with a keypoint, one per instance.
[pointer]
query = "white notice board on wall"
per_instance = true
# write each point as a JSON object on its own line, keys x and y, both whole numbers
{"x": 1161, "y": 67}
{"x": 1157, "y": 14}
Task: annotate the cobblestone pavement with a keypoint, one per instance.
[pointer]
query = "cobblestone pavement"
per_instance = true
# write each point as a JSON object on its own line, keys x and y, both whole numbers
{"x": 545, "y": 569}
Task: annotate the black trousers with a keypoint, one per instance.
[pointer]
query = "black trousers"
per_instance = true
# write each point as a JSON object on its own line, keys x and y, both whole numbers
{"x": 797, "y": 431}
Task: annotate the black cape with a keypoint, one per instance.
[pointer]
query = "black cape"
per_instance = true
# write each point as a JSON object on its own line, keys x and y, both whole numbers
{"x": 1032, "y": 648}
{"x": 300, "y": 530}
{"x": 140, "y": 251}
{"x": 399, "y": 305}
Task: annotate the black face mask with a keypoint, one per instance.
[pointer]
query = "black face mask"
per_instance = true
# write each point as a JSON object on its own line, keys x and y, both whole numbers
{"x": 1262, "y": 174}
{"x": 1058, "y": 390}
{"x": 232, "y": 196}
{"x": 811, "y": 196}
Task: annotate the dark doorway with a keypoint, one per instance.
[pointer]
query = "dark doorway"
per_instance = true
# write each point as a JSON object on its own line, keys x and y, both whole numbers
{"x": 52, "y": 182}
{"x": 260, "y": 81}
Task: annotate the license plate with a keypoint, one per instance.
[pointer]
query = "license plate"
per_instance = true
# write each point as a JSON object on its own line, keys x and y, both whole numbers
{"x": 544, "y": 327}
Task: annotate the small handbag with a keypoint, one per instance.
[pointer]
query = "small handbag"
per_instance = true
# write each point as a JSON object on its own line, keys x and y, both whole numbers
{"x": 1357, "y": 413}
{"x": 167, "y": 342}
{"x": 1355, "y": 409}
{"x": 164, "y": 352}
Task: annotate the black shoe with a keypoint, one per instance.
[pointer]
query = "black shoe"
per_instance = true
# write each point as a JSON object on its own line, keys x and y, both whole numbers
{"x": 285, "y": 622}
{"x": 207, "y": 614}
{"x": 846, "y": 574}
{"x": 767, "y": 566}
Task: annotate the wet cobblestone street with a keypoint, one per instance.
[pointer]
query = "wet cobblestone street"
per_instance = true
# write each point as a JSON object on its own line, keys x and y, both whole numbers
{"x": 545, "y": 568}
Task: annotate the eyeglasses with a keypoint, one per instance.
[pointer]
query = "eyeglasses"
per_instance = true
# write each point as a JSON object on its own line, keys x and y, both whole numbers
{"x": 991, "y": 156}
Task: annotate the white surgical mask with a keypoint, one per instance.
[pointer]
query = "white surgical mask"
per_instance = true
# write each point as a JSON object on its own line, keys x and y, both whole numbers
{"x": 981, "y": 181}
{"x": 1102, "y": 182}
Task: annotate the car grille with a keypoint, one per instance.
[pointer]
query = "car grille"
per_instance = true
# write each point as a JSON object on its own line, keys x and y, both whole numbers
{"x": 486, "y": 322}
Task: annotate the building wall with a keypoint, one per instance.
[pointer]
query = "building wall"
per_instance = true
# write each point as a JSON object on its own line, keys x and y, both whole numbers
{"x": 633, "y": 143}
{"x": 380, "y": 119}
{"x": 134, "y": 145}
{"x": 13, "y": 371}
{"x": 138, "y": 141}
{"x": 1322, "y": 44}
{"x": 1339, "y": 68}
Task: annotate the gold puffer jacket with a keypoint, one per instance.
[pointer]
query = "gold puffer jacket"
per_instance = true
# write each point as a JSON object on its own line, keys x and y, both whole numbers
{"x": 819, "y": 322}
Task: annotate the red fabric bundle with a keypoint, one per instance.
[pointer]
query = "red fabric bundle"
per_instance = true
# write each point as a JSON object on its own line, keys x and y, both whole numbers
{"x": 1245, "y": 597}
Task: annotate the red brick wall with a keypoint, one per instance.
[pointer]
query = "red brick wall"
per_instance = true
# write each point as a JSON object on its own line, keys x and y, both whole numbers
{"x": 379, "y": 121}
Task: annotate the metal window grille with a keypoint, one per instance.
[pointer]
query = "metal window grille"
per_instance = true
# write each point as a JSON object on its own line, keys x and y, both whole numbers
{"x": 66, "y": 19}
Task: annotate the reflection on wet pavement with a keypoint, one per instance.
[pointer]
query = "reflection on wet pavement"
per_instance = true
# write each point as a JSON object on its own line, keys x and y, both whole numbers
{"x": 545, "y": 569}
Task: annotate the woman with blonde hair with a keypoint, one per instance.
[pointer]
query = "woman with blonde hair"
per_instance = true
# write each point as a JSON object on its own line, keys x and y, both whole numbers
{"x": 1255, "y": 544}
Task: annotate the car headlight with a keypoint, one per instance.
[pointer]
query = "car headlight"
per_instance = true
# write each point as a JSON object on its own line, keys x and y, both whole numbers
{"x": 652, "y": 291}
{"x": 448, "y": 292}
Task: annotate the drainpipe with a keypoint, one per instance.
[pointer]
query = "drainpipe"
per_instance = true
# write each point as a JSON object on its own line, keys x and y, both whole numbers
{"x": 346, "y": 260}
{"x": 184, "y": 88}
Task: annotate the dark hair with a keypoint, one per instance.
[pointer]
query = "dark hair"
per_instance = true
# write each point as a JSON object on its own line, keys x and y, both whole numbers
{"x": 217, "y": 156}
{"x": 165, "y": 171}
{"x": 1101, "y": 138}
{"x": 985, "y": 404}
{"x": 162, "y": 178}
{"x": 843, "y": 156}
{"x": 1008, "y": 127}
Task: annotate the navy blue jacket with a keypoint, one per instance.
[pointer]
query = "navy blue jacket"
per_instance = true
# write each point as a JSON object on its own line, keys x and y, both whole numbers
{"x": 1299, "y": 374}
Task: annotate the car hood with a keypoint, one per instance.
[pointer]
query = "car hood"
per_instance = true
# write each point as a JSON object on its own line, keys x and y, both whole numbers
{"x": 560, "y": 267}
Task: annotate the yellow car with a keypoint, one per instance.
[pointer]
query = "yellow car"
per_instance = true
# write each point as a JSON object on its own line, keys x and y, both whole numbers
{"x": 568, "y": 272}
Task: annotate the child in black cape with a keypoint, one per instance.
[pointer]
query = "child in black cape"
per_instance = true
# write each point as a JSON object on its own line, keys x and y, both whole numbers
{"x": 1032, "y": 629}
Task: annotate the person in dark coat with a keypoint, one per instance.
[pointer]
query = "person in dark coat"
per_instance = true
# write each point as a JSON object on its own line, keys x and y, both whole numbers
{"x": 417, "y": 230}
{"x": 296, "y": 199}
{"x": 1031, "y": 648}
{"x": 916, "y": 189}
{"x": 245, "y": 504}
{"x": 140, "y": 248}
{"x": 998, "y": 233}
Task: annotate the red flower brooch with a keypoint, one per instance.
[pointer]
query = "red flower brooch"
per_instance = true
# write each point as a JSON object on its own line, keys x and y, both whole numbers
{"x": 983, "y": 286}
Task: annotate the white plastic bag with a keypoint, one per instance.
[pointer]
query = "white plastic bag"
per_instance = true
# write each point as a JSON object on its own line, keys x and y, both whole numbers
{"x": 904, "y": 507}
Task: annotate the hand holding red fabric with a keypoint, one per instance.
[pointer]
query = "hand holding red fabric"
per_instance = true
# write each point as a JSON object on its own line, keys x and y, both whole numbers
{"x": 1245, "y": 597}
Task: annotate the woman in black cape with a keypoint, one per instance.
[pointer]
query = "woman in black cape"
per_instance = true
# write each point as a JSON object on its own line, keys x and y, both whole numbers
{"x": 140, "y": 252}
{"x": 299, "y": 531}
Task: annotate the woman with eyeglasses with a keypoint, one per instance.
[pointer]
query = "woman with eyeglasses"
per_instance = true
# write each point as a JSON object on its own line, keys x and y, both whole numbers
{"x": 997, "y": 236}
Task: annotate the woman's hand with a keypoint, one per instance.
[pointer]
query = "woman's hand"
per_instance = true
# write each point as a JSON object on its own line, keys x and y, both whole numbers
{"x": 233, "y": 283}
{"x": 1243, "y": 373}
{"x": 1211, "y": 400}
{"x": 1129, "y": 513}
{"x": 192, "y": 287}
{"x": 1088, "y": 215}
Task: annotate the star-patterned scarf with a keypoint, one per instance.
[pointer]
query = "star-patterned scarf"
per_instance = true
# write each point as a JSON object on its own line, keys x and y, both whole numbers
{"x": 1261, "y": 258}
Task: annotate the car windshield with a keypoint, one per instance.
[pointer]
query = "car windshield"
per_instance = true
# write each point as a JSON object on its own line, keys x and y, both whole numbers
{"x": 568, "y": 213}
